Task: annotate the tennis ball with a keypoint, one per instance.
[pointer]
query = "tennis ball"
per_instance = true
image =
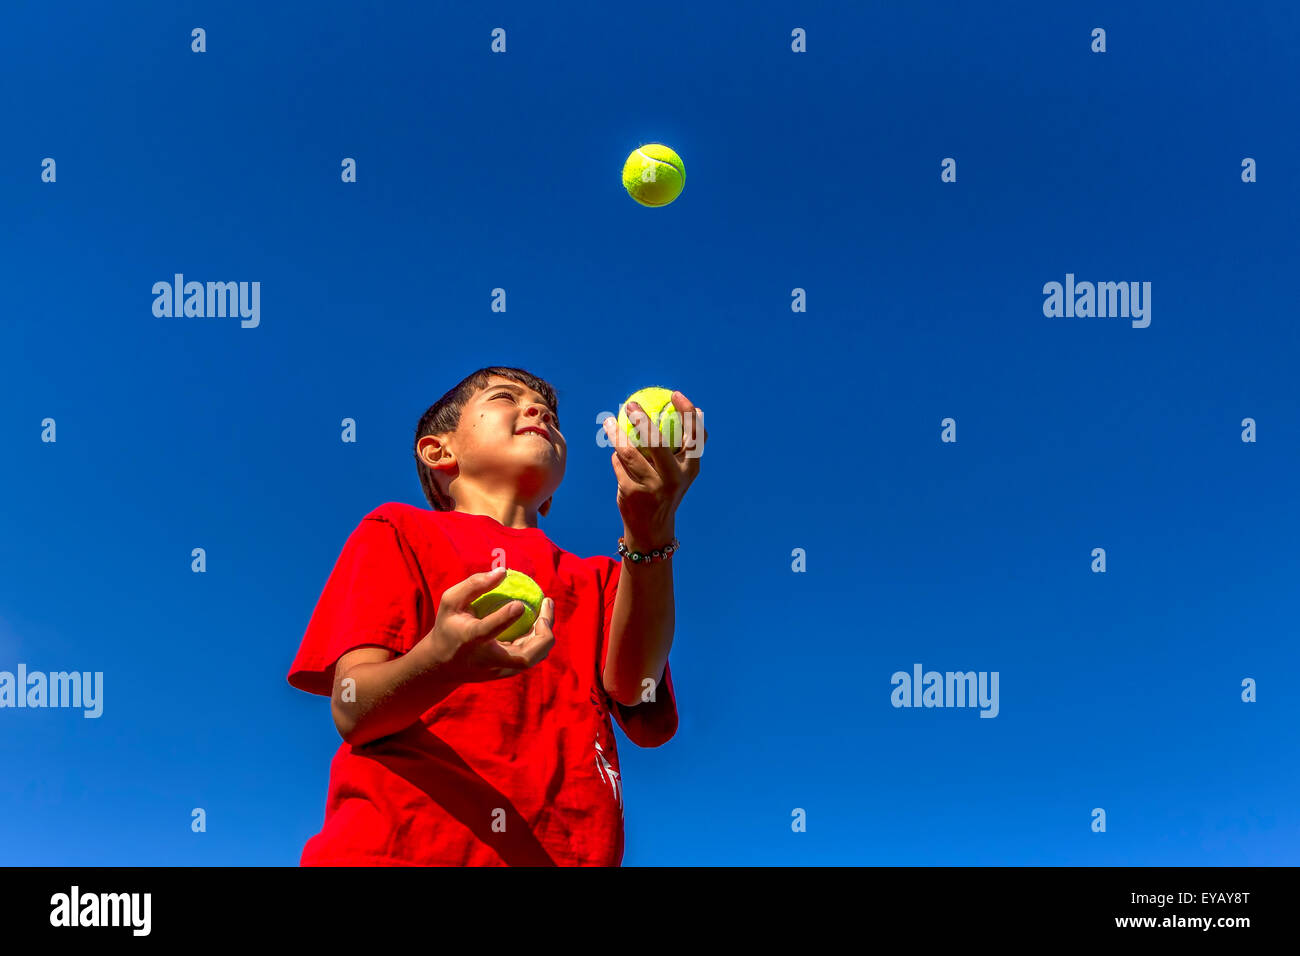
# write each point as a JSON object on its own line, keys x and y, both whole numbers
{"x": 658, "y": 404}
{"x": 654, "y": 175}
{"x": 515, "y": 586}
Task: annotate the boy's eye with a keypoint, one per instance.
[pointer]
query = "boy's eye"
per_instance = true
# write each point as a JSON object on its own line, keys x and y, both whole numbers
{"x": 511, "y": 395}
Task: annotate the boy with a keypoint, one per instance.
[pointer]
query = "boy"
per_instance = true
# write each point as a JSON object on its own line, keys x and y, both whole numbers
{"x": 459, "y": 749}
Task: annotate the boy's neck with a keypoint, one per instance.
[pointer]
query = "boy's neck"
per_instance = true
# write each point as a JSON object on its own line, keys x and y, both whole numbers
{"x": 509, "y": 512}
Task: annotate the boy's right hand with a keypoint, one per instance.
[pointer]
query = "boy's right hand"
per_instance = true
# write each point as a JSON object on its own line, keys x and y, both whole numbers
{"x": 465, "y": 647}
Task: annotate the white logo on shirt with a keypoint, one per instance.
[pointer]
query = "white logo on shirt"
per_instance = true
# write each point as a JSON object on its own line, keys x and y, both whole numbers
{"x": 609, "y": 775}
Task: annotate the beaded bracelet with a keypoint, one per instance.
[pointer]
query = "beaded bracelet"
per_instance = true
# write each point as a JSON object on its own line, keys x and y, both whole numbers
{"x": 658, "y": 554}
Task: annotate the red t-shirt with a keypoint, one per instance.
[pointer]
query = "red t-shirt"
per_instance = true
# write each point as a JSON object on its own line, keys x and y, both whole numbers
{"x": 518, "y": 771}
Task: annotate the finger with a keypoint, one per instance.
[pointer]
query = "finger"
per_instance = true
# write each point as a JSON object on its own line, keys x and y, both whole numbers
{"x": 612, "y": 431}
{"x": 538, "y": 649}
{"x": 626, "y": 483}
{"x": 651, "y": 442}
{"x": 700, "y": 436}
{"x": 497, "y": 655}
{"x": 685, "y": 407}
{"x": 461, "y": 595}
{"x": 535, "y": 645}
{"x": 618, "y": 436}
{"x": 691, "y": 468}
{"x": 693, "y": 450}
{"x": 531, "y": 649}
{"x": 659, "y": 451}
{"x": 685, "y": 413}
{"x": 545, "y": 621}
{"x": 640, "y": 421}
{"x": 621, "y": 442}
{"x": 665, "y": 463}
{"x": 628, "y": 451}
{"x": 492, "y": 625}
{"x": 636, "y": 467}
{"x": 694, "y": 434}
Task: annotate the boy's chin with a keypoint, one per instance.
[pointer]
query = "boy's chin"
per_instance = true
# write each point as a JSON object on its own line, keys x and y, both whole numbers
{"x": 538, "y": 470}
{"x": 537, "y": 452}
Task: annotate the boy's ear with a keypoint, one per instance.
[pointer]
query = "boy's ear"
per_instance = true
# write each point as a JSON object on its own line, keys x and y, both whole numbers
{"x": 546, "y": 506}
{"x": 439, "y": 449}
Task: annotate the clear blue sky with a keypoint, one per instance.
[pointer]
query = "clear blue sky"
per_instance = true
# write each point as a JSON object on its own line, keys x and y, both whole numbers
{"x": 818, "y": 171}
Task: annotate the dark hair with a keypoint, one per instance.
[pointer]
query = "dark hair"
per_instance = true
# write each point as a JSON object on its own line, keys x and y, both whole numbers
{"x": 444, "y": 416}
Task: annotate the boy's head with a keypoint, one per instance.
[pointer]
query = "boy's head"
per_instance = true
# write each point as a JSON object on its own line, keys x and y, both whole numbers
{"x": 478, "y": 439}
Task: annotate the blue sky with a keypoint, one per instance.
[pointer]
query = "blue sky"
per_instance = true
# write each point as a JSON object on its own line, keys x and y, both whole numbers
{"x": 818, "y": 171}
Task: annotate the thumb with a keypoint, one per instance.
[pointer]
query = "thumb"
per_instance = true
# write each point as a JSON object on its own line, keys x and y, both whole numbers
{"x": 474, "y": 586}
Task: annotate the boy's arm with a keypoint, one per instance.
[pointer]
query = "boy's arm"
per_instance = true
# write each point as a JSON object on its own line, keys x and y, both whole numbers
{"x": 641, "y": 625}
{"x": 376, "y": 694}
{"x": 383, "y": 693}
{"x": 650, "y": 487}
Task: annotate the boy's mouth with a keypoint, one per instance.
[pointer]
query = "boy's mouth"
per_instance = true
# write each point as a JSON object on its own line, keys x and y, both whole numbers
{"x": 533, "y": 429}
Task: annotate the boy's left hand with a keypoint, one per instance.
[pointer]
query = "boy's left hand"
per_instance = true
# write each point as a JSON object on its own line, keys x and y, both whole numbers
{"x": 649, "y": 490}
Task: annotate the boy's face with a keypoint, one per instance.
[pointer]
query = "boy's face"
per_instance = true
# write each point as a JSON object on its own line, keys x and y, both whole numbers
{"x": 508, "y": 434}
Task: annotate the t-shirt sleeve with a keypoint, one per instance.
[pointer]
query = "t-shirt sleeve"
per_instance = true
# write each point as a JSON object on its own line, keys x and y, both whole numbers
{"x": 374, "y": 595}
{"x": 651, "y": 723}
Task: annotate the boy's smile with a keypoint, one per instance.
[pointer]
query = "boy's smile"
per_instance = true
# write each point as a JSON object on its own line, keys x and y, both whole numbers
{"x": 507, "y": 448}
{"x": 507, "y": 410}
{"x": 535, "y": 430}
{"x": 520, "y": 409}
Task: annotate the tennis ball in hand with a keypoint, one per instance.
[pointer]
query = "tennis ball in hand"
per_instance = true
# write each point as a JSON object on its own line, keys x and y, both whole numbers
{"x": 515, "y": 586}
{"x": 658, "y": 404}
{"x": 654, "y": 175}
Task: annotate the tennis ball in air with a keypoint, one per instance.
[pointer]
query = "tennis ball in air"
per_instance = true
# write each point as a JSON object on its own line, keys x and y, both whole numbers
{"x": 515, "y": 586}
{"x": 654, "y": 175}
{"x": 658, "y": 404}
